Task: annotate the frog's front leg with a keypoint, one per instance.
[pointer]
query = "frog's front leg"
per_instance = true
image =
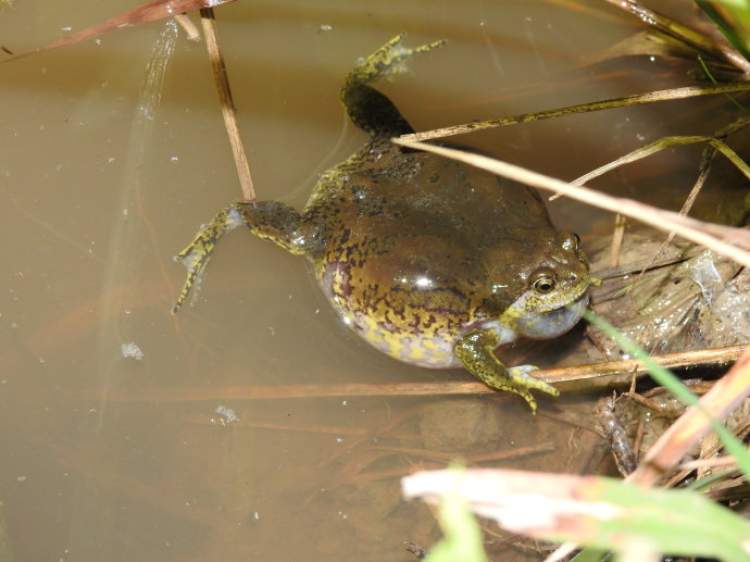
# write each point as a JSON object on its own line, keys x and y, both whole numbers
{"x": 269, "y": 220}
{"x": 476, "y": 351}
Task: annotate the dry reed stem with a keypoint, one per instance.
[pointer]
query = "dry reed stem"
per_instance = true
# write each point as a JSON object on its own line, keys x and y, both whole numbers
{"x": 228, "y": 110}
{"x": 614, "y": 103}
{"x": 715, "y": 462}
{"x": 710, "y": 235}
{"x": 618, "y": 235}
{"x": 188, "y": 27}
{"x": 609, "y": 372}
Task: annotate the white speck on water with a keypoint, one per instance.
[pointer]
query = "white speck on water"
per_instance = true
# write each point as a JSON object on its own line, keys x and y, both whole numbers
{"x": 110, "y": 159}
{"x": 98, "y": 41}
{"x": 228, "y": 415}
{"x": 339, "y": 439}
{"x": 256, "y": 515}
{"x": 174, "y": 158}
{"x": 640, "y": 137}
{"x": 21, "y": 478}
{"x": 289, "y": 296}
{"x": 652, "y": 58}
{"x": 325, "y": 27}
{"x": 344, "y": 403}
{"x": 42, "y": 360}
{"x": 482, "y": 23}
{"x": 343, "y": 515}
{"x": 272, "y": 330}
{"x": 66, "y": 28}
{"x": 130, "y": 350}
{"x": 125, "y": 212}
{"x": 317, "y": 311}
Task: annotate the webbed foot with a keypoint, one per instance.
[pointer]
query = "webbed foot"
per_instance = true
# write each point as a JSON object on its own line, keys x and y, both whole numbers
{"x": 268, "y": 220}
{"x": 476, "y": 351}
{"x": 196, "y": 255}
{"x": 369, "y": 109}
{"x": 388, "y": 60}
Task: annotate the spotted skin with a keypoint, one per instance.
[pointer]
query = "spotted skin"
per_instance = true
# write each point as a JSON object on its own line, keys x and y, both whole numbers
{"x": 430, "y": 261}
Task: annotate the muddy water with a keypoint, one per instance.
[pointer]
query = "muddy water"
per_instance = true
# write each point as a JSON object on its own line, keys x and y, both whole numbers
{"x": 114, "y": 152}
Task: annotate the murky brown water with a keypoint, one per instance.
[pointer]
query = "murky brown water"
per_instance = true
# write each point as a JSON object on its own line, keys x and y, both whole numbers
{"x": 98, "y": 195}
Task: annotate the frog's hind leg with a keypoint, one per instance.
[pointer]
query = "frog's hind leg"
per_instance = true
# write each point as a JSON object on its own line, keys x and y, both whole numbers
{"x": 369, "y": 109}
{"x": 268, "y": 220}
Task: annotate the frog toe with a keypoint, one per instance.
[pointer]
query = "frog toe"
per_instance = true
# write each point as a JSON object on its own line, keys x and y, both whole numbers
{"x": 388, "y": 59}
{"x": 521, "y": 376}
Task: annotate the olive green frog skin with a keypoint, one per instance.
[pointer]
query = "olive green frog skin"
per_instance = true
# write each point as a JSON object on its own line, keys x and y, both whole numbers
{"x": 430, "y": 261}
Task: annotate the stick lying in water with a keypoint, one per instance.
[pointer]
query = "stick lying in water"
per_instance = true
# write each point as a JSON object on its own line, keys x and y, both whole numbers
{"x": 594, "y": 375}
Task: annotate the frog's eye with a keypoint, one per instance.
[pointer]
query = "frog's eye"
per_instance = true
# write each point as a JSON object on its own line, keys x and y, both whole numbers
{"x": 544, "y": 283}
{"x": 571, "y": 242}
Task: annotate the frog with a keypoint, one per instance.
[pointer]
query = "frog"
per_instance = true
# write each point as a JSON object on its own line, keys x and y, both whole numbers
{"x": 431, "y": 261}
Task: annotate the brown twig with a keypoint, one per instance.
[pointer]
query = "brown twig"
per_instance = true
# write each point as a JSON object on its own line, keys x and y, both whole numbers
{"x": 501, "y": 455}
{"x": 567, "y": 378}
{"x": 228, "y": 110}
{"x": 188, "y": 27}
{"x": 618, "y": 235}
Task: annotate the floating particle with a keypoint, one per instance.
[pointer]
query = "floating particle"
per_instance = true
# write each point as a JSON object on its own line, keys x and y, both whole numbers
{"x": 130, "y": 350}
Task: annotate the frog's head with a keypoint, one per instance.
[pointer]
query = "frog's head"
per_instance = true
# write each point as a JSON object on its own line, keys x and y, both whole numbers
{"x": 553, "y": 291}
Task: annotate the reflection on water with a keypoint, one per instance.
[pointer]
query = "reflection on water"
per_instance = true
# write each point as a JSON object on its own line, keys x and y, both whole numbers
{"x": 109, "y": 178}
{"x": 132, "y": 233}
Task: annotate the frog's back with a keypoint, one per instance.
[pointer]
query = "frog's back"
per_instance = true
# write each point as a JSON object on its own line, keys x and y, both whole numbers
{"x": 413, "y": 246}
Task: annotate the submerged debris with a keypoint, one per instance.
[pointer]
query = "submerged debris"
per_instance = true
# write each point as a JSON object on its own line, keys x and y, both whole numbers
{"x": 130, "y": 350}
{"x": 692, "y": 299}
{"x": 228, "y": 415}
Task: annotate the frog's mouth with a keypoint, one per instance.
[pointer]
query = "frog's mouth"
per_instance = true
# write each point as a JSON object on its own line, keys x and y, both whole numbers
{"x": 555, "y": 322}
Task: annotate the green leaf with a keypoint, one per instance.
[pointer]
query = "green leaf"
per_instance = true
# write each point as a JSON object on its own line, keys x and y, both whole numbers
{"x": 732, "y": 17}
{"x": 591, "y": 554}
{"x": 678, "y": 522}
{"x": 463, "y": 537}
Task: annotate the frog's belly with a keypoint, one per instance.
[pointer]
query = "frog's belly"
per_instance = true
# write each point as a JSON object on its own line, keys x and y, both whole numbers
{"x": 434, "y": 352}
{"x": 431, "y": 348}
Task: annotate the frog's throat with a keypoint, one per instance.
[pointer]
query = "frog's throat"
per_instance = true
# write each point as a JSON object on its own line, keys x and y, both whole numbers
{"x": 529, "y": 317}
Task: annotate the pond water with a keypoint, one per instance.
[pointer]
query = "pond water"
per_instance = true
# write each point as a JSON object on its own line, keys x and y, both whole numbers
{"x": 131, "y": 434}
